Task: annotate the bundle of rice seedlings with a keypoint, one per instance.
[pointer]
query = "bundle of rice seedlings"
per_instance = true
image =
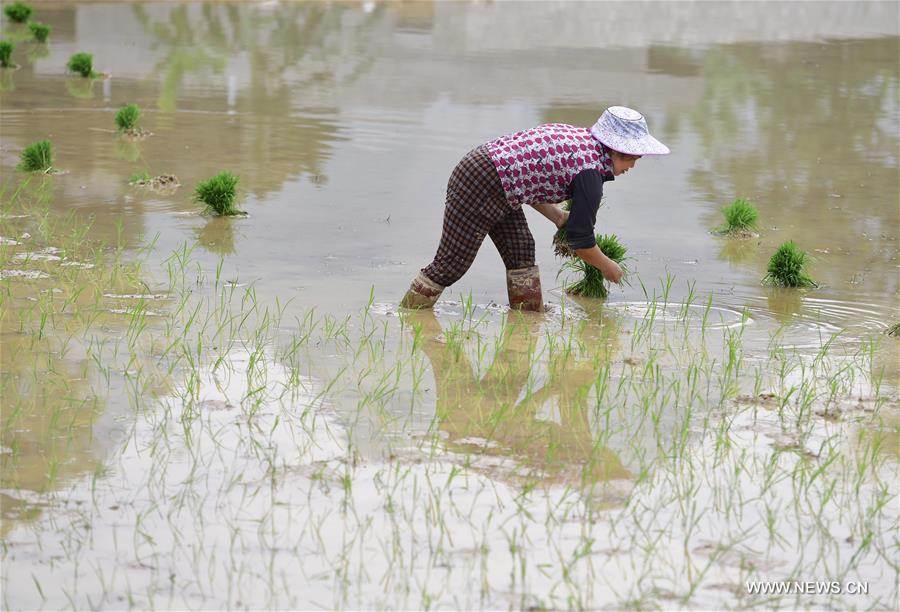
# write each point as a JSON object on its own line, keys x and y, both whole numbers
{"x": 740, "y": 217}
{"x": 560, "y": 238}
{"x": 787, "y": 268}
{"x": 218, "y": 194}
{"x": 37, "y": 157}
{"x": 39, "y": 30}
{"x": 6, "y": 49}
{"x": 592, "y": 284}
{"x": 127, "y": 119}
{"x": 18, "y": 12}
{"x": 82, "y": 63}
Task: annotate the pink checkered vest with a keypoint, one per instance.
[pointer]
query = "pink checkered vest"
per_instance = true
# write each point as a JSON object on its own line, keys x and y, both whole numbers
{"x": 537, "y": 165}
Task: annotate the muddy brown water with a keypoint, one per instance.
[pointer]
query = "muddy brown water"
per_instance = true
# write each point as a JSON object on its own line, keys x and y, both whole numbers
{"x": 343, "y": 122}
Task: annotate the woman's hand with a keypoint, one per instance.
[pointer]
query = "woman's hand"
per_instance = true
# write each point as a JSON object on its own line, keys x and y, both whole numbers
{"x": 610, "y": 270}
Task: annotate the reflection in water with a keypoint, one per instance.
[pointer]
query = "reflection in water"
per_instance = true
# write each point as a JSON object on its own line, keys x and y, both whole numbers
{"x": 178, "y": 64}
{"x": 128, "y": 149}
{"x": 739, "y": 250}
{"x": 286, "y": 54}
{"x": 7, "y": 82}
{"x": 809, "y": 131}
{"x": 185, "y": 57}
{"x": 217, "y": 236}
{"x": 785, "y": 304}
{"x": 47, "y": 437}
{"x": 61, "y": 379}
{"x": 81, "y": 87}
{"x": 884, "y": 441}
{"x": 38, "y": 51}
{"x": 501, "y": 413}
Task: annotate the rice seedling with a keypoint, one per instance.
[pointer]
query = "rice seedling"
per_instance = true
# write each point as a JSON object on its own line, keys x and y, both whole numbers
{"x": 591, "y": 282}
{"x": 139, "y": 178}
{"x": 218, "y": 194}
{"x": 18, "y": 12}
{"x": 740, "y": 218}
{"x": 37, "y": 157}
{"x": 127, "y": 119}
{"x": 6, "y": 49}
{"x": 82, "y": 63}
{"x": 787, "y": 268}
{"x": 40, "y": 31}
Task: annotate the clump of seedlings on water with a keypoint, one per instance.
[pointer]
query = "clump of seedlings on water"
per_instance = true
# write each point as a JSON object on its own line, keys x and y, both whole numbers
{"x": 40, "y": 31}
{"x": 740, "y": 218}
{"x": 18, "y": 12}
{"x": 787, "y": 268}
{"x": 83, "y": 64}
{"x": 218, "y": 194}
{"x": 591, "y": 282}
{"x": 128, "y": 121}
{"x": 6, "y": 49}
{"x": 37, "y": 157}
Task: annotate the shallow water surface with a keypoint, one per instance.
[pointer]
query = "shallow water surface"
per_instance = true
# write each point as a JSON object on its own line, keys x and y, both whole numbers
{"x": 209, "y": 412}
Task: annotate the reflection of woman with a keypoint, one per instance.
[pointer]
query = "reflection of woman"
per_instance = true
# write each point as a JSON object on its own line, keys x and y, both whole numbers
{"x": 539, "y": 167}
{"x": 472, "y": 410}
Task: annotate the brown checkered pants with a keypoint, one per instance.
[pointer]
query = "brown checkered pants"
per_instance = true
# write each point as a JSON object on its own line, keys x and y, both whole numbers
{"x": 476, "y": 207}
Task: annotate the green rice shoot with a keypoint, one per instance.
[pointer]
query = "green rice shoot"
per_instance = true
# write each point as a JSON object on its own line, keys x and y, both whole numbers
{"x": 82, "y": 63}
{"x": 740, "y": 217}
{"x": 127, "y": 118}
{"x": 218, "y": 194}
{"x": 139, "y": 177}
{"x": 6, "y": 49}
{"x": 591, "y": 283}
{"x": 18, "y": 12}
{"x": 37, "y": 157}
{"x": 39, "y": 30}
{"x": 787, "y": 268}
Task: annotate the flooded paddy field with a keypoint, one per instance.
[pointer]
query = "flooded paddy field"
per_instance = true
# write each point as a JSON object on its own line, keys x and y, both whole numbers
{"x": 201, "y": 412}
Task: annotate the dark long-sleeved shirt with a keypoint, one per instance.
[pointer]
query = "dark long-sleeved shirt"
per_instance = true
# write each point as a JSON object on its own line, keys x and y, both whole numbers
{"x": 587, "y": 190}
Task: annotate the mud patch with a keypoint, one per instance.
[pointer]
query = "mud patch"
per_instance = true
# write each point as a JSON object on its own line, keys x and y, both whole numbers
{"x": 77, "y": 264}
{"x": 214, "y": 405}
{"x": 37, "y": 256}
{"x": 135, "y": 135}
{"x": 131, "y": 311}
{"x": 26, "y": 274}
{"x": 164, "y": 184}
{"x": 764, "y": 400}
{"x": 137, "y": 296}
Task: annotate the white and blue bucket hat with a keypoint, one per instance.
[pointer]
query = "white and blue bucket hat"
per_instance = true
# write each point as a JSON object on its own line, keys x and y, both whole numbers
{"x": 625, "y": 130}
